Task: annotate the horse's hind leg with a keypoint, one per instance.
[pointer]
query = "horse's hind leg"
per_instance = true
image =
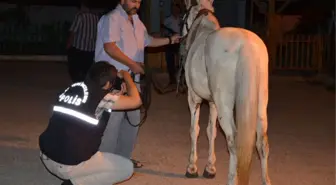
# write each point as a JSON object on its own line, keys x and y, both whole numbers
{"x": 263, "y": 150}
{"x": 194, "y": 106}
{"x": 262, "y": 139}
{"x": 225, "y": 104}
{"x": 210, "y": 169}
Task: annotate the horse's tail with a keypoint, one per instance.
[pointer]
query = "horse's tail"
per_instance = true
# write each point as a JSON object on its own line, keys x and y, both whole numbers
{"x": 246, "y": 109}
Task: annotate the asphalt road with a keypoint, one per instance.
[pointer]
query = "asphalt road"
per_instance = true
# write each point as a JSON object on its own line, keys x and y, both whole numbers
{"x": 301, "y": 132}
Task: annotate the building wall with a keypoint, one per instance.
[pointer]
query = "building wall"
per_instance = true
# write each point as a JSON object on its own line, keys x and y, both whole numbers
{"x": 230, "y": 12}
{"x": 48, "y": 25}
{"x": 45, "y": 14}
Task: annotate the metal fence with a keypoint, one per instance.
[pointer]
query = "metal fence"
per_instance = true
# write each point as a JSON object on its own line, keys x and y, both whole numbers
{"x": 298, "y": 52}
{"x": 47, "y": 39}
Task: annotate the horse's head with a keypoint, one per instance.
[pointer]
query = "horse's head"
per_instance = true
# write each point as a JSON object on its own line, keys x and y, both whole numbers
{"x": 198, "y": 11}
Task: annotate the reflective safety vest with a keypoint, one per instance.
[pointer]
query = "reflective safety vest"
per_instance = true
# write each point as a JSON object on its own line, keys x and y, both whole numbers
{"x": 74, "y": 133}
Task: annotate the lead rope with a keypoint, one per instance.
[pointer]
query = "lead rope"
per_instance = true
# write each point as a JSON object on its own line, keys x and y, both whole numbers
{"x": 145, "y": 97}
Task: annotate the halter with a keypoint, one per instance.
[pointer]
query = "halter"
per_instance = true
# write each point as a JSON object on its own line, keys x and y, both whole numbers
{"x": 186, "y": 17}
{"x": 203, "y": 11}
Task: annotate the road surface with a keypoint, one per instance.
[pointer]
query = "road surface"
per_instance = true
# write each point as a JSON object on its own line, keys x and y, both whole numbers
{"x": 301, "y": 132}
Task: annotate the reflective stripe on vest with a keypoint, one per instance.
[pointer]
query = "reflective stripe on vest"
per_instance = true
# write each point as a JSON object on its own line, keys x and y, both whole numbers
{"x": 76, "y": 114}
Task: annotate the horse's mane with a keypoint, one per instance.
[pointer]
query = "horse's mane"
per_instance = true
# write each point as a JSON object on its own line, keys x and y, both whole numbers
{"x": 201, "y": 24}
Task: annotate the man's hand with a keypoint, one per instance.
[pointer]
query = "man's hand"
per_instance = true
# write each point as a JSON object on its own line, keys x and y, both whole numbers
{"x": 137, "y": 68}
{"x": 121, "y": 74}
{"x": 175, "y": 38}
{"x": 122, "y": 91}
{"x": 123, "y": 88}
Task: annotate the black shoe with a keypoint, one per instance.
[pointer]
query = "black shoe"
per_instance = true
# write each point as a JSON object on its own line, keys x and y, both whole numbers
{"x": 67, "y": 182}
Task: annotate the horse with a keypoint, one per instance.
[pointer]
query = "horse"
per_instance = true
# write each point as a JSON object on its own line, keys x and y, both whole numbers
{"x": 228, "y": 67}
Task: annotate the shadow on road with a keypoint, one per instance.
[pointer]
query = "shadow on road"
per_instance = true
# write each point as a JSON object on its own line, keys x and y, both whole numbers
{"x": 160, "y": 173}
{"x": 20, "y": 165}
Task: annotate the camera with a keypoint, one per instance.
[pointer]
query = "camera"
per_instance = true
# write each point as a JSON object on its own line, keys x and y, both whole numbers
{"x": 117, "y": 83}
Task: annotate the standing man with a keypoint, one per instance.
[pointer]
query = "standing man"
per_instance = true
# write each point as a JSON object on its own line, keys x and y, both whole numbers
{"x": 81, "y": 42}
{"x": 121, "y": 40}
{"x": 172, "y": 25}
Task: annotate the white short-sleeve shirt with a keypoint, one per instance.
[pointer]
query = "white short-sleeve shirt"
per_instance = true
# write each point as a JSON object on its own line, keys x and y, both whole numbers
{"x": 130, "y": 38}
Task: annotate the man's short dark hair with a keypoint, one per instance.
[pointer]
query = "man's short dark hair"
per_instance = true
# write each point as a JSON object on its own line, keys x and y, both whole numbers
{"x": 100, "y": 73}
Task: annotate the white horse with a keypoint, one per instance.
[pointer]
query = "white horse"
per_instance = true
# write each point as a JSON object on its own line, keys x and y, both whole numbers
{"x": 228, "y": 67}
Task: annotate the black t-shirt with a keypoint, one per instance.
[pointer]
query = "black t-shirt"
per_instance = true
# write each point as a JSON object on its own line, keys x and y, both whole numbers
{"x": 74, "y": 134}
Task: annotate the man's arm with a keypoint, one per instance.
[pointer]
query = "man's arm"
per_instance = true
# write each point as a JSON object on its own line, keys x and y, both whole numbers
{"x": 73, "y": 29}
{"x": 114, "y": 52}
{"x": 157, "y": 42}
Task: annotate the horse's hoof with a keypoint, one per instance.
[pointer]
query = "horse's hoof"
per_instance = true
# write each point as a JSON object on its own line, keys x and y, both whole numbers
{"x": 208, "y": 175}
{"x": 191, "y": 175}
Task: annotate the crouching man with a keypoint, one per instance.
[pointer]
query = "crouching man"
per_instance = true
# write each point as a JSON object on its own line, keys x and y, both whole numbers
{"x": 70, "y": 144}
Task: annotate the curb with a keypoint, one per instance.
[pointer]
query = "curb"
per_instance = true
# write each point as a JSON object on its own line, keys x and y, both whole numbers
{"x": 49, "y": 58}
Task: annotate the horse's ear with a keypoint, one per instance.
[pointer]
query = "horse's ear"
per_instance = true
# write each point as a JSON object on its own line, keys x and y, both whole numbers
{"x": 187, "y": 4}
{"x": 206, "y": 4}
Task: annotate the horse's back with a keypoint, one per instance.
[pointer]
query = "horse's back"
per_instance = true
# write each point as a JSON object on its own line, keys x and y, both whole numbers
{"x": 224, "y": 49}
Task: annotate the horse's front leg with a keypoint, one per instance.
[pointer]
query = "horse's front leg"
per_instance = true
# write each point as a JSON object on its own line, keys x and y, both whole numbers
{"x": 210, "y": 168}
{"x": 194, "y": 105}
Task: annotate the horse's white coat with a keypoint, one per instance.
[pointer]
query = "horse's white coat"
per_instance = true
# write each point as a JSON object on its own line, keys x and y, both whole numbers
{"x": 229, "y": 68}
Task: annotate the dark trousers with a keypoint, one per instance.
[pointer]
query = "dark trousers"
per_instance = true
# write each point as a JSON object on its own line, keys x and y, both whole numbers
{"x": 79, "y": 62}
{"x": 171, "y": 51}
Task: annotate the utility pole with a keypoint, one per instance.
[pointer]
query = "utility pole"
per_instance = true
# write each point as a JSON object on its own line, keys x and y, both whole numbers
{"x": 147, "y": 9}
{"x": 147, "y": 22}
